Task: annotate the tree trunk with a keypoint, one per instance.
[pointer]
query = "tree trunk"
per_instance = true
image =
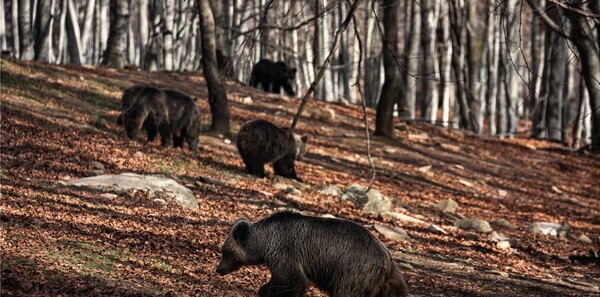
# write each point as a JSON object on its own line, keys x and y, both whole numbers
{"x": 217, "y": 98}
{"x": 43, "y": 31}
{"x": 25, "y": 32}
{"x": 557, "y": 67}
{"x": 412, "y": 62}
{"x": 3, "y": 45}
{"x": 373, "y": 61}
{"x": 115, "y": 48}
{"x": 86, "y": 30}
{"x": 430, "y": 95}
{"x": 445, "y": 65}
{"x": 167, "y": 33}
{"x": 511, "y": 54}
{"x": 458, "y": 64}
{"x": 73, "y": 36}
{"x": 473, "y": 81}
{"x": 384, "y": 122}
{"x": 15, "y": 28}
{"x": 143, "y": 34}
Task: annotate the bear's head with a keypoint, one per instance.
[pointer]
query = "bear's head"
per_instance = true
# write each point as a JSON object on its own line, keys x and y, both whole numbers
{"x": 300, "y": 145}
{"x": 234, "y": 253}
{"x": 133, "y": 119}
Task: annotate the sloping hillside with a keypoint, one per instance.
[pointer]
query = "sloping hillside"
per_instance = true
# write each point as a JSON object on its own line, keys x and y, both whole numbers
{"x": 56, "y": 240}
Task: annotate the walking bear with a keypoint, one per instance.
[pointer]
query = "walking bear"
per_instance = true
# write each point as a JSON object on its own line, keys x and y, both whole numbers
{"x": 272, "y": 76}
{"x": 260, "y": 142}
{"x": 167, "y": 112}
{"x": 338, "y": 256}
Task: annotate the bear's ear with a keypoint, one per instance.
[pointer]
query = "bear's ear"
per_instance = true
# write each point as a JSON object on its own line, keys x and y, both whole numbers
{"x": 304, "y": 138}
{"x": 240, "y": 230}
{"x": 293, "y": 70}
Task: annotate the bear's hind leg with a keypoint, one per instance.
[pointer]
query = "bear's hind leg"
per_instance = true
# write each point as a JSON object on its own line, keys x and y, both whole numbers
{"x": 280, "y": 289}
{"x": 151, "y": 130}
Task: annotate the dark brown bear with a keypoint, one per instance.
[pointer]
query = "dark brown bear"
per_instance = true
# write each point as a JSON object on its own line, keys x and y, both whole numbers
{"x": 260, "y": 142}
{"x": 127, "y": 99}
{"x": 338, "y": 256}
{"x": 272, "y": 76}
{"x": 167, "y": 112}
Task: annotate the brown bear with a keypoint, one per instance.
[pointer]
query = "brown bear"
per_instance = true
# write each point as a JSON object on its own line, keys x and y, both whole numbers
{"x": 260, "y": 142}
{"x": 338, "y": 256}
{"x": 272, "y": 76}
{"x": 167, "y": 112}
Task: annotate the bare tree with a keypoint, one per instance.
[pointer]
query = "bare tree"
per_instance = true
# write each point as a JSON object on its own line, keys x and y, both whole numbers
{"x": 412, "y": 57}
{"x": 217, "y": 98}
{"x": 43, "y": 31}
{"x": 25, "y": 30}
{"x": 167, "y": 33}
{"x": 430, "y": 88}
{"x": 384, "y": 122}
{"x": 115, "y": 48}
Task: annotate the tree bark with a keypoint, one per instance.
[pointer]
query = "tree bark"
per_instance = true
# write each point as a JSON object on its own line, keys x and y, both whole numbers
{"x": 384, "y": 122}
{"x": 25, "y": 32}
{"x": 430, "y": 95}
{"x": 114, "y": 55}
{"x": 86, "y": 30}
{"x": 217, "y": 98}
{"x": 43, "y": 31}
{"x": 445, "y": 65}
{"x": 73, "y": 34}
{"x": 14, "y": 10}
{"x": 167, "y": 33}
{"x": 412, "y": 62}
{"x": 3, "y": 45}
{"x": 511, "y": 19}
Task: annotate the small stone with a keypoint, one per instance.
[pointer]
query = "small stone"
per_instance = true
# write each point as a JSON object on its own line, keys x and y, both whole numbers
{"x": 328, "y": 216}
{"x": 293, "y": 191}
{"x": 584, "y": 238}
{"x": 466, "y": 183}
{"x": 459, "y": 167}
{"x": 544, "y": 228}
{"x": 502, "y": 193}
{"x": 370, "y": 201}
{"x": 138, "y": 154}
{"x": 567, "y": 198}
{"x": 394, "y": 233}
{"x": 436, "y": 229}
{"x": 109, "y": 195}
{"x": 281, "y": 186}
{"x": 96, "y": 172}
{"x": 503, "y": 223}
{"x": 331, "y": 190}
{"x": 477, "y": 225}
{"x": 227, "y": 141}
{"x": 97, "y": 165}
{"x": 401, "y": 217}
{"x": 247, "y": 100}
{"x": 557, "y": 190}
{"x": 209, "y": 180}
{"x": 418, "y": 137}
{"x": 497, "y": 237}
{"x": 279, "y": 203}
{"x": 390, "y": 150}
{"x": 424, "y": 169}
{"x": 447, "y": 205}
{"x": 66, "y": 178}
{"x": 159, "y": 200}
{"x": 349, "y": 135}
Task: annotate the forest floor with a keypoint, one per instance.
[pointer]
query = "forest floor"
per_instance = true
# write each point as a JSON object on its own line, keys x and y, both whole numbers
{"x": 64, "y": 241}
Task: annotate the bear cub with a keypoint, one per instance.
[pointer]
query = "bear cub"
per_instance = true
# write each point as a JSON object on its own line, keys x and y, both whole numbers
{"x": 260, "y": 142}
{"x": 272, "y": 76}
{"x": 168, "y": 112}
{"x": 338, "y": 256}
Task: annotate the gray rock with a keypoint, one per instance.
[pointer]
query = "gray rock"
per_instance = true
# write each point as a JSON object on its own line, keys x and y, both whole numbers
{"x": 584, "y": 238}
{"x": 329, "y": 216}
{"x": 502, "y": 193}
{"x": 503, "y": 245}
{"x": 293, "y": 192}
{"x": 436, "y": 229}
{"x": 477, "y": 225}
{"x": 547, "y": 228}
{"x": 503, "y": 223}
{"x": 371, "y": 201}
{"x": 331, "y": 190}
{"x": 96, "y": 172}
{"x": 402, "y": 217}
{"x": 324, "y": 114}
{"x": 154, "y": 185}
{"x": 390, "y": 150}
{"x": 394, "y": 233}
{"x": 97, "y": 165}
{"x": 281, "y": 186}
{"x": 210, "y": 180}
{"x": 447, "y": 205}
{"x": 567, "y": 198}
{"x": 497, "y": 237}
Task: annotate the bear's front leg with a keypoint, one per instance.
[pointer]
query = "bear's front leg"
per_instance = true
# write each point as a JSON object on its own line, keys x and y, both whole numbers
{"x": 165, "y": 134}
{"x": 280, "y": 289}
{"x": 285, "y": 167}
